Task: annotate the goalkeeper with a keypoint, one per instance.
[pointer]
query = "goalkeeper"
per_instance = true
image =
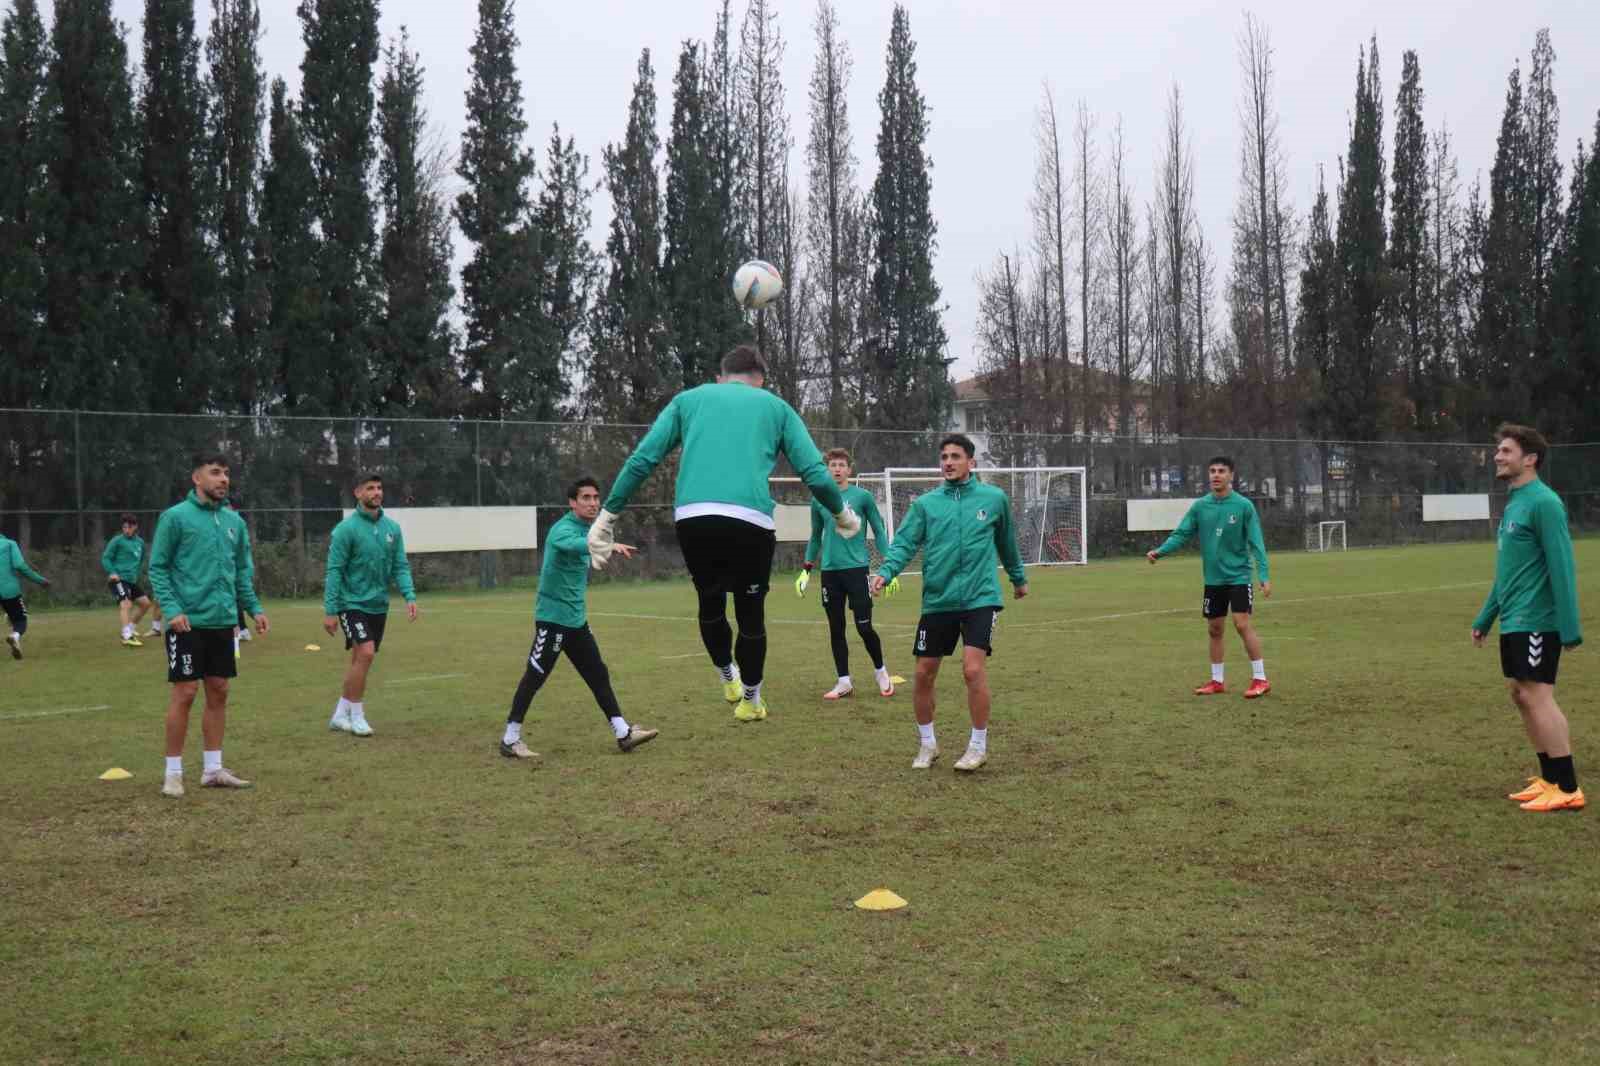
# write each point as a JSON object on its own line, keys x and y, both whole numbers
{"x": 844, "y": 576}
{"x": 731, "y": 432}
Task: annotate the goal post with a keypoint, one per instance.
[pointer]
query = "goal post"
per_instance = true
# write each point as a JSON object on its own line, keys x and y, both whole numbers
{"x": 1049, "y": 506}
{"x": 1321, "y": 537}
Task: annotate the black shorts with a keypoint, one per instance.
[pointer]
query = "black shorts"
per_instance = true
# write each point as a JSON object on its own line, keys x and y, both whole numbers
{"x": 1530, "y": 656}
{"x": 360, "y": 627}
{"x": 1220, "y": 598}
{"x": 727, "y": 554}
{"x": 938, "y": 633}
{"x": 126, "y": 590}
{"x": 16, "y": 612}
{"x": 847, "y": 586}
{"x": 200, "y": 653}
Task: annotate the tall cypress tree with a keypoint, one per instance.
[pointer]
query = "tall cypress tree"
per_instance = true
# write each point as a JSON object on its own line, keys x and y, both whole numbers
{"x": 94, "y": 312}
{"x": 1577, "y": 294}
{"x": 832, "y": 196}
{"x": 569, "y": 267}
{"x": 336, "y": 108}
{"x": 1314, "y": 327}
{"x": 415, "y": 343}
{"x": 24, "y": 141}
{"x": 288, "y": 262}
{"x": 632, "y": 373}
{"x": 236, "y": 86}
{"x": 500, "y": 283}
{"x": 912, "y": 386}
{"x": 179, "y": 273}
{"x": 1410, "y": 265}
{"x": 1504, "y": 314}
{"x": 1542, "y": 120}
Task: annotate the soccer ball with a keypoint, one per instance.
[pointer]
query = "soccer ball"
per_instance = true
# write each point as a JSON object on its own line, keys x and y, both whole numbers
{"x": 757, "y": 283}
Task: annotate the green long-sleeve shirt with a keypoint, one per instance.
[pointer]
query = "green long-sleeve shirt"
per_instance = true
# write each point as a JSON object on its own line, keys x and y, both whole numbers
{"x": 12, "y": 564}
{"x": 964, "y": 530}
{"x": 365, "y": 554}
{"x": 731, "y": 435}
{"x": 1229, "y": 531}
{"x": 1535, "y": 581}
{"x": 200, "y": 564}
{"x": 841, "y": 553}
{"x": 564, "y": 574}
{"x": 123, "y": 556}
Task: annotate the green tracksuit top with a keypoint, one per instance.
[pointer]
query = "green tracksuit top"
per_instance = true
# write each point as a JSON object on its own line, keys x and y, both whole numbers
{"x": 12, "y": 564}
{"x": 964, "y": 530}
{"x": 123, "y": 556}
{"x": 564, "y": 574}
{"x": 1535, "y": 582}
{"x": 365, "y": 554}
{"x": 1229, "y": 531}
{"x": 731, "y": 435}
{"x": 837, "y": 552}
{"x": 200, "y": 564}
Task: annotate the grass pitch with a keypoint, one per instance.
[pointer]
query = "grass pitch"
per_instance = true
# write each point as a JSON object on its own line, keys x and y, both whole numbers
{"x": 1327, "y": 875}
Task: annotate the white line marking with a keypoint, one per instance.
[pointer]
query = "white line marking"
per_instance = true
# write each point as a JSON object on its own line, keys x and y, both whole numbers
{"x": 48, "y": 714}
{"x": 685, "y": 655}
{"x": 424, "y": 677}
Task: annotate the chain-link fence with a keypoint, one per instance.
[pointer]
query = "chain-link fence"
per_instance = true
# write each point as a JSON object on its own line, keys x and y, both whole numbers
{"x": 66, "y": 476}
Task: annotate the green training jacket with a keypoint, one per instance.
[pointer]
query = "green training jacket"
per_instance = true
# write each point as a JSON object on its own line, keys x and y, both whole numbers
{"x": 1229, "y": 531}
{"x": 1535, "y": 580}
{"x": 731, "y": 436}
{"x": 365, "y": 554}
{"x": 837, "y": 552}
{"x": 564, "y": 574}
{"x": 200, "y": 564}
{"x": 123, "y": 556}
{"x": 13, "y": 564}
{"x": 964, "y": 530}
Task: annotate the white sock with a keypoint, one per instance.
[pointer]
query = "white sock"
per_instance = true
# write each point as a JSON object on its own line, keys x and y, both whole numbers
{"x": 357, "y": 710}
{"x": 753, "y": 692}
{"x": 728, "y": 673}
{"x": 926, "y": 732}
{"x": 155, "y": 626}
{"x": 980, "y": 739}
{"x": 620, "y": 727}
{"x": 881, "y": 673}
{"x": 127, "y": 631}
{"x": 343, "y": 709}
{"x": 844, "y": 681}
{"x": 210, "y": 761}
{"x": 16, "y": 638}
{"x": 1258, "y": 669}
{"x": 1216, "y": 672}
{"x": 175, "y": 764}
{"x": 513, "y": 732}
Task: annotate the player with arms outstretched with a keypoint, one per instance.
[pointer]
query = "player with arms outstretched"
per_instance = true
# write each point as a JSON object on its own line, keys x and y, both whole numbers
{"x": 844, "y": 576}
{"x": 1535, "y": 597}
{"x": 964, "y": 531}
{"x": 732, "y": 433}
{"x": 1230, "y": 534}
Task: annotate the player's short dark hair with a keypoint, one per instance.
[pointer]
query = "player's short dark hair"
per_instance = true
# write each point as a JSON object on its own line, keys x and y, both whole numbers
{"x": 837, "y": 453}
{"x": 367, "y": 478}
{"x": 1530, "y": 440}
{"x": 580, "y": 484}
{"x": 962, "y": 441}
{"x": 209, "y": 459}
{"x": 130, "y": 520}
{"x": 745, "y": 359}
{"x": 1221, "y": 460}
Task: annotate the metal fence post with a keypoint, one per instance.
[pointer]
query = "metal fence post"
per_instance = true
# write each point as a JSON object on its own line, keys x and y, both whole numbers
{"x": 77, "y": 471}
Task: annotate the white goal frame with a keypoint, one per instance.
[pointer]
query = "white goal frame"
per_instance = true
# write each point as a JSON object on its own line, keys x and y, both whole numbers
{"x": 1323, "y": 540}
{"x": 932, "y": 476}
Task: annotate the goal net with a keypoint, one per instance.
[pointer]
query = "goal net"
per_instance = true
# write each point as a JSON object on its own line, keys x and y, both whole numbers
{"x": 1049, "y": 507}
{"x": 1325, "y": 537}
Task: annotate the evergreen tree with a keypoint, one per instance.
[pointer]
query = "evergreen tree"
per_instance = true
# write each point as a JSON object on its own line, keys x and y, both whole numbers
{"x": 336, "y": 109}
{"x": 1314, "y": 328}
{"x": 1542, "y": 120}
{"x": 911, "y": 383}
{"x": 179, "y": 208}
{"x": 1577, "y": 293}
{"x": 1503, "y": 332}
{"x": 703, "y": 320}
{"x": 832, "y": 195}
{"x": 1410, "y": 263}
{"x": 632, "y": 372}
{"x": 416, "y": 374}
{"x": 570, "y": 270}
{"x": 236, "y": 87}
{"x": 94, "y": 313}
{"x": 1446, "y": 322}
{"x": 24, "y": 142}
{"x": 287, "y": 265}
{"x": 503, "y": 356}
{"x": 764, "y": 123}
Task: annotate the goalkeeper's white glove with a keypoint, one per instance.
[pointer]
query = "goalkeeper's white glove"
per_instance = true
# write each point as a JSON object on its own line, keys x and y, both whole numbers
{"x": 892, "y": 588}
{"x": 847, "y": 522}
{"x": 601, "y": 540}
{"x": 801, "y": 582}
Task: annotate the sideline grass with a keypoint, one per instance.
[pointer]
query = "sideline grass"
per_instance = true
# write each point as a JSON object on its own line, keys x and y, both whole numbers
{"x": 1328, "y": 875}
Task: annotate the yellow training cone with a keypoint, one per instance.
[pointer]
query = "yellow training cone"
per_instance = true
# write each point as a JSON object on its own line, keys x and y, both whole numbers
{"x": 116, "y": 773}
{"x": 880, "y": 899}
{"x": 896, "y": 679}
{"x": 313, "y": 647}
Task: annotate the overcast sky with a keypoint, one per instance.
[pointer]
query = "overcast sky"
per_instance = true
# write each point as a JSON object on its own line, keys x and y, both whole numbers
{"x": 981, "y": 67}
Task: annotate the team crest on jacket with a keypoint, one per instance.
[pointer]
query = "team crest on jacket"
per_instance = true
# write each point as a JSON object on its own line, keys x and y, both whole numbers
{"x": 983, "y": 515}
{"x": 1232, "y": 519}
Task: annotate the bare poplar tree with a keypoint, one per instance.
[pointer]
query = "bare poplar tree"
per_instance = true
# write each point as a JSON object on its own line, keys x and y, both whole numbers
{"x": 1175, "y": 207}
{"x": 831, "y": 173}
{"x": 1086, "y": 211}
{"x": 1050, "y": 216}
{"x": 1122, "y": 260}
{"x": 759, "y": 82}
